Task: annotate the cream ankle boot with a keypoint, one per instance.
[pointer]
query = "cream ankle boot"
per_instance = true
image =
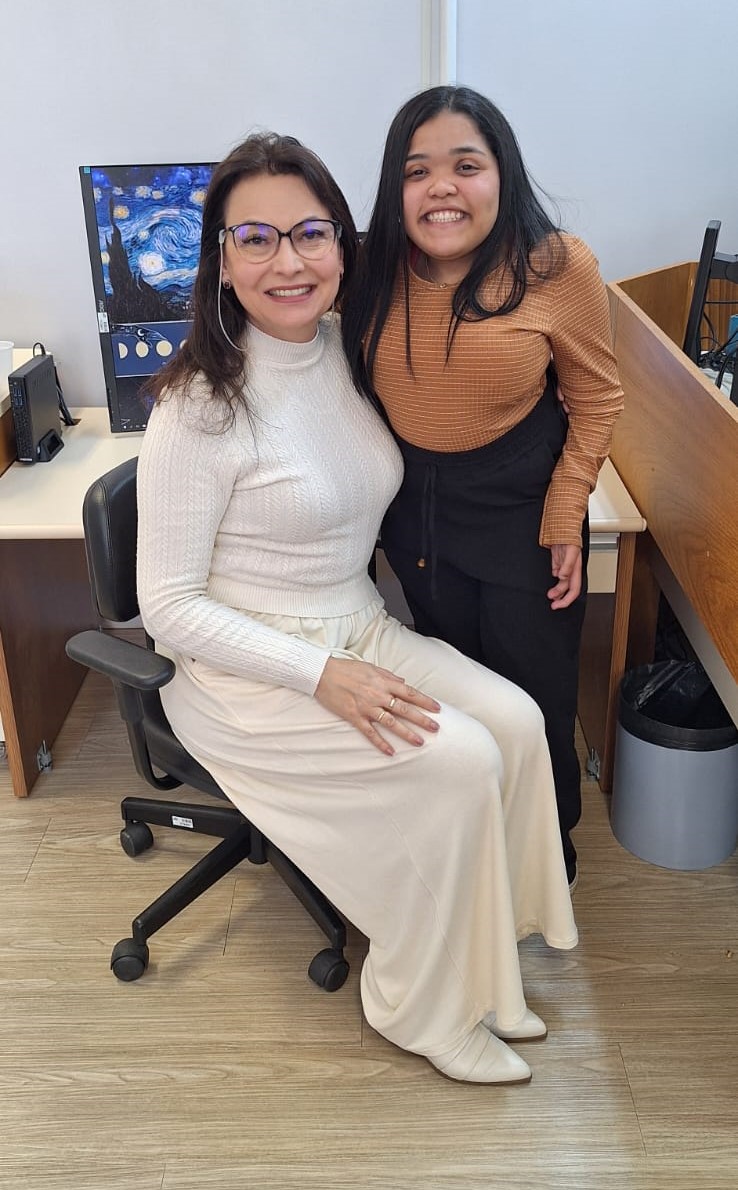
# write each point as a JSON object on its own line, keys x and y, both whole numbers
{"x": 531, "y": 1028}
{"x": 483, "y": 1058}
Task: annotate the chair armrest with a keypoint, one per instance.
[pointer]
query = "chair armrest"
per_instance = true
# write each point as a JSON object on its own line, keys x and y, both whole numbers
{"x": 121, "y": 660}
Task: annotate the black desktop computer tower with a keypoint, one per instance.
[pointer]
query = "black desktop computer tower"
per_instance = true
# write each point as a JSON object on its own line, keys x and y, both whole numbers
{"x": 34, "y": 399}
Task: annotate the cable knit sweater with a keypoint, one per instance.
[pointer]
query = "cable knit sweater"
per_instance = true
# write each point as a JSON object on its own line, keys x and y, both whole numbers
{"x": 278, "y": 513}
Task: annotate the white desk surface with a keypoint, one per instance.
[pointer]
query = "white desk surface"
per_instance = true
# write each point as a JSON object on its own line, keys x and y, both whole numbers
{"x": 611, "y": 509}
{"x": 44, "y": 500}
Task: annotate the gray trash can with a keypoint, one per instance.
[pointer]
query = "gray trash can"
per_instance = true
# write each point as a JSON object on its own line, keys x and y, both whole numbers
{"x": 675, "y": 781}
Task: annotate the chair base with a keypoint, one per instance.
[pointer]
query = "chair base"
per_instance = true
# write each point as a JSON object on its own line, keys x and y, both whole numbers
{"x": 240, "y": 840}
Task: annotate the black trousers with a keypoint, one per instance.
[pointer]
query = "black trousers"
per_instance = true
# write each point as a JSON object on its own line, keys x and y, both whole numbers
{"x": 462, "y": 538}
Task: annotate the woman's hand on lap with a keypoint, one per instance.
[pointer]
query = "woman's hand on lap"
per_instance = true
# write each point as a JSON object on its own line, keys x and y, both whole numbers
{"x": 367, "y": 697}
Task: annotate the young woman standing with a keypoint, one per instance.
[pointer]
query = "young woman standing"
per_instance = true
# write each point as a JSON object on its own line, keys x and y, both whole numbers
{"x": 467, "y": 305}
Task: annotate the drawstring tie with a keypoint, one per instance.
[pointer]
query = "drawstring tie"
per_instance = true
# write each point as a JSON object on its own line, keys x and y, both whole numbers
{"x": 428, "y": 525}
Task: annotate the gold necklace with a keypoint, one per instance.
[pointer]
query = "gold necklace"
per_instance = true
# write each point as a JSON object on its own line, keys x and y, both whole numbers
{"x": 429, "y": 275}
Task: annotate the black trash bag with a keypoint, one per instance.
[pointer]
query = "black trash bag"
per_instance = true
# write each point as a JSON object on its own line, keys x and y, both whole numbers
{"x": 672, "y": 643}
{"x": 675, "y": 704}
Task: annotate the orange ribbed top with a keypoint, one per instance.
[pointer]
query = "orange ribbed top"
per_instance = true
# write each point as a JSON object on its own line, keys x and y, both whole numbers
{"x": 497, "y": 371}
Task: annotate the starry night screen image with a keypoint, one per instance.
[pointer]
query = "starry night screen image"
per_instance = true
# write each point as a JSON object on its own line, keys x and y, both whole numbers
{"x": 143, "y": 230}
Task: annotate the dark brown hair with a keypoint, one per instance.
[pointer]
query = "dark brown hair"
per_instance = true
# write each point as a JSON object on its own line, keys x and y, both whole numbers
{"x": 524, "y": 237}
{"x": 206, "y": 350}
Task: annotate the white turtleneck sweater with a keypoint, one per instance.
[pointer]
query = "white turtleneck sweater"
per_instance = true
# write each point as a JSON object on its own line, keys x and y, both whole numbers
{"x": 277, "y": 513}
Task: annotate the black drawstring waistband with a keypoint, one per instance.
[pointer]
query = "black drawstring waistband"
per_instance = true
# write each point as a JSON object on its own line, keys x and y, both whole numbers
{"x": 431, "y": 468}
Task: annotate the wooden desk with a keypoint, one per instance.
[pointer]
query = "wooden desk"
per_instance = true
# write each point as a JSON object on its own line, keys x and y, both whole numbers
{"x": 44, "y": 590}
{"x": 676, "y": 446}
{"x": 615, "y": 522}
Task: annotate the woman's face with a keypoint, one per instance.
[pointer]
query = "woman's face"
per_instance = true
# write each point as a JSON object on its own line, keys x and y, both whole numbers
{"x": 451, "y": 194}
{"x": 286, "y": 295}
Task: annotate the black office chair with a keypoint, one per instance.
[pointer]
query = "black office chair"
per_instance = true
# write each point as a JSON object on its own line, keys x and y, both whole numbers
{"x": 138, "y": 673}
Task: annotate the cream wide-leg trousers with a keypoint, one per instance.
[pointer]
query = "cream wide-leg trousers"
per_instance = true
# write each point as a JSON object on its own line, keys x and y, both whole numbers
{"x": 442, "y": 855}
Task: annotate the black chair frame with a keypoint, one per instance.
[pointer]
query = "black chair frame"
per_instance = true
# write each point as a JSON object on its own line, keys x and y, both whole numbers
{"x": 137, "y": 674}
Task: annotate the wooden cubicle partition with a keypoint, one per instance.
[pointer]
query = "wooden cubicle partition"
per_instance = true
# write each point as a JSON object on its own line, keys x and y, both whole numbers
{"x": 665, "y": 294}
{"x": 676, "y": 449}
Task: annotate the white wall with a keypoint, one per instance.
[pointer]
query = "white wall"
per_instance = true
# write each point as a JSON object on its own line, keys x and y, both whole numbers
{"x": 171, "y": 80}
{"x": 626, "y": 112}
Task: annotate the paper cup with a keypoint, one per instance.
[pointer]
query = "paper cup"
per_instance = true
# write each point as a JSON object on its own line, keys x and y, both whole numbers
{"x": 6, "y": 364}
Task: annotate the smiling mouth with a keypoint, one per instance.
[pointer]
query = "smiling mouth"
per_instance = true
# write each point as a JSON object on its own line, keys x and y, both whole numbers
{"x": 298, "y": 291}
{"x": 444, "y": 216}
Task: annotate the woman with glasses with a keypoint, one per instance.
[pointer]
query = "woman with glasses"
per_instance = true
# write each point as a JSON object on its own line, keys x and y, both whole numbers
{"x": 467, "y": 294}
{"x": 412, "y": 785}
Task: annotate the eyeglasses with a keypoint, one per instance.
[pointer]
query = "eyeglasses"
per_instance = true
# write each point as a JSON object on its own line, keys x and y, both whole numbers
{"x": 257, "y": 242}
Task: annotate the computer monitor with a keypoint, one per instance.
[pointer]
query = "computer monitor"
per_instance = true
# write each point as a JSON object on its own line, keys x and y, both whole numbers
{"x": 143, "y": 227}
{"x": 692, "y": 338}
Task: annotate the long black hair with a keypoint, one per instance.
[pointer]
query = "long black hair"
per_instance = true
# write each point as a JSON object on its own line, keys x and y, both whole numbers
{"x": 206, "y": 349}
{"x": 522, "y": 225}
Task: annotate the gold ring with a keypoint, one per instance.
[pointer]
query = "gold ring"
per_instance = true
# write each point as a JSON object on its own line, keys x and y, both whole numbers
{"x": 380, "y": 716}
{"x": 392, "y": 702}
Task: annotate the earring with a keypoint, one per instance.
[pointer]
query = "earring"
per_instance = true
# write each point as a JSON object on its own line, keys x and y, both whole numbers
{"x": 226, "y": 283}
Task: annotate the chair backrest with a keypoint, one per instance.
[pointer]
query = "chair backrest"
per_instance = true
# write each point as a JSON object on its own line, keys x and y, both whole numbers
{"x": 110, "y": 518}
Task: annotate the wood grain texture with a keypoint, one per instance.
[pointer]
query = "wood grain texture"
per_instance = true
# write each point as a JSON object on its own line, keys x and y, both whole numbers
{"x": 618, "y": 649}
{"x": 225, "y": 1067}
{"x": 44, "y": 599}
{"x": 664, "y": 295}
{"x": 675, "y": 447}
{"x": 602, "y": 661}
{"x": 8, "y": 452}
{"x": 594, "y": 670}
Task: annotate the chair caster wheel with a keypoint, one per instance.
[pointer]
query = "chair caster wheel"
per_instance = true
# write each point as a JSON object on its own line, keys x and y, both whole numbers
{"x": 129, "y": 959}
{"x": 329, "y": 970}
{"x": 135, "y": 838}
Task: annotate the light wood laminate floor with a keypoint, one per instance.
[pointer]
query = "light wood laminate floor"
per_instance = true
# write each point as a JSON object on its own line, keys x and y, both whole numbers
{"x": 225, "y": 1067}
